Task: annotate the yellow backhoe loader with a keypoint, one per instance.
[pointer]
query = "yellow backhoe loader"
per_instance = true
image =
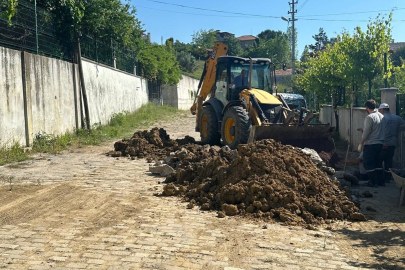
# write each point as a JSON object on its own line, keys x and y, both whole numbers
{"x": 235, "y": 104}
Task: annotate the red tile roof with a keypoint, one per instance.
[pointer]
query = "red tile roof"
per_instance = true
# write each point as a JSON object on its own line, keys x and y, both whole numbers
{"x": 246, "y": 38}
{"x": 396, "y": 45}
{"x": 280, "y": 72}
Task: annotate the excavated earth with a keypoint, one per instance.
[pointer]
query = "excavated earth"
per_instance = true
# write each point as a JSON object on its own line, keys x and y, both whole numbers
{"x": 153, "y": 145}
{"x": 265, "y": 179}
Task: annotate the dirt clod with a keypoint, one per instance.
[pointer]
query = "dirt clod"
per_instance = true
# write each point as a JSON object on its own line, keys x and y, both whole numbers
{"x": 230, "y": 209}
{"x": 367, "y": 194}
{"x": 369, "y": 208}
{"x": 170, "y": 190}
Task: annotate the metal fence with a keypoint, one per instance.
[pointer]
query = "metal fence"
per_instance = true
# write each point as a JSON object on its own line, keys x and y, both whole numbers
{"x": 108, "y": 54}
{"x": 31, "y": 29}
{"x": 401, "y": 105}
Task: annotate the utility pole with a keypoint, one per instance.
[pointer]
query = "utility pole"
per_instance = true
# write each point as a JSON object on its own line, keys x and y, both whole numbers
{"x": 292, "y": 12}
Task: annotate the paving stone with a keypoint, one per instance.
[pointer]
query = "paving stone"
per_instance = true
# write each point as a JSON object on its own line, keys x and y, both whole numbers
{"x": 8, "y": 246}
{"x": 77, "y": 265}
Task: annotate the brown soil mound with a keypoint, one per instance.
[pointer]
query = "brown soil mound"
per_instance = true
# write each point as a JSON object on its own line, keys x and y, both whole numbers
{"x": 264, "y": 179}
{"x": 153, "y": 145}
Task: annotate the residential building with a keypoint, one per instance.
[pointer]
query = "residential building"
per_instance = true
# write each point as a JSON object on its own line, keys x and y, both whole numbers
{"x": 247, "y": 41}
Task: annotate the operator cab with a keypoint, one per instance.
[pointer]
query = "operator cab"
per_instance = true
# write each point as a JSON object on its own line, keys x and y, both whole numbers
{"x": 233, "y": 76}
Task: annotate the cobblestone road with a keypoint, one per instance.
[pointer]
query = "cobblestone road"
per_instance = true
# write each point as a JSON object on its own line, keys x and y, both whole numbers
{"x": 84, "y": 210}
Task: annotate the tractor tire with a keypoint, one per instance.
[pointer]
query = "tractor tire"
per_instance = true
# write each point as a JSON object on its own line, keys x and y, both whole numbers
{"x": 236, "y": 126}
{"x": 209, "y": 127}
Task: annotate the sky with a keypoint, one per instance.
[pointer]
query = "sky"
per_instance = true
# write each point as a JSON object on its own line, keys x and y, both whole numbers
{"x": 180, "y": 19}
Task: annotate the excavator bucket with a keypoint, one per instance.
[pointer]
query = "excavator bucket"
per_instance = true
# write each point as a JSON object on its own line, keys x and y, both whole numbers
{"x": 317, "y": 137}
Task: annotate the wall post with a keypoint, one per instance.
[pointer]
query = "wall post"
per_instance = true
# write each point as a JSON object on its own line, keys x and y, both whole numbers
{"x": 389, "y": 96}
{"x": 27, "y": 100}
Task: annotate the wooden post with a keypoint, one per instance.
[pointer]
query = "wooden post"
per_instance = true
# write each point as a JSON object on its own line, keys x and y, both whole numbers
{"x": 83, "y": 87}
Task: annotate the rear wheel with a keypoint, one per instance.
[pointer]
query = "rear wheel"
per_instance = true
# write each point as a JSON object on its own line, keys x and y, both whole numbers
{"x": 236, "y": 126}
{"x": 209, "y": 126}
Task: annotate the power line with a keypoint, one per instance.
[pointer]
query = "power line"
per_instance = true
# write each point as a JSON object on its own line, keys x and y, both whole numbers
{"x": 352, "y": 13}
{"x": 189, "y": 13}
{"x": 332, "y": 20}
{"x": 304, "y": 18}
{"x": 213, "y": 10}
{"x": 302, "y": 6}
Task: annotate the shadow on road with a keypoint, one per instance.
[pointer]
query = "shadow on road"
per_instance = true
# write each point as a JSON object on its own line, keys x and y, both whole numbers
{"x": 387, "y": 247}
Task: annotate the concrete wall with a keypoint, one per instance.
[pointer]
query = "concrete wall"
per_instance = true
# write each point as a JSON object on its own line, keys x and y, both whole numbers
{"x": 12, "y": 125}
{"x": 327, "y": 116}
{"x": 389, "y": 96}
{"x": 186, "y": 92}
{"x": 112, "y": 91}
{"x": 169, "y": 95}
{"x": 52, "y": 94}
{"x": 180, "y": 96}
{"x": 348, "y": 128}
{"x": 42, "y": 95}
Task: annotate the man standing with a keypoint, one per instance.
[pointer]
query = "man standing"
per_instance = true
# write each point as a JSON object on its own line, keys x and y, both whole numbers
{"x": 391, "y": 124}
{"x": 371, "y": 144}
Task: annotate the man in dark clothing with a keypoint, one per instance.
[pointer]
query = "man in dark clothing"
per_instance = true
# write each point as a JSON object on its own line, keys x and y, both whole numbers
{"x": 391, "y": 124}
{"x": 242, "y": 81}
{"x": 371, "y": 144}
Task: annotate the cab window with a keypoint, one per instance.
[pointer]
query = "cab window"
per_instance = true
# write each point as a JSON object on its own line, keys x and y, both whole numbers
{"x": 221, "y": 83}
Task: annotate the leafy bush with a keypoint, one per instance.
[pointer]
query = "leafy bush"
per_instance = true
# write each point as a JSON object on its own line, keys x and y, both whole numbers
{"x": 187, "y": 62}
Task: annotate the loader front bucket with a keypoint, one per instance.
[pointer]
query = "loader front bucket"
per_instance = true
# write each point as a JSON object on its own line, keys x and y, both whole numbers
{"x": 317, "y": 137}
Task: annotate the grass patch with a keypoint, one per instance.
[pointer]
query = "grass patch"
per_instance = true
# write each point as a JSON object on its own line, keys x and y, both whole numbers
{"x": 121, "y": 125}
{"x": 15, "y": 153}
{"x": 48, "y": 143}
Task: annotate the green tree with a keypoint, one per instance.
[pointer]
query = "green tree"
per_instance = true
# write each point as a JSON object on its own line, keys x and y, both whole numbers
{"x": 169, "y": 46}
{"x": 8, "y": 8}
{"x": 158, "y": 64}
{"x": 321, "y": 41}
{"x": 353, "y": 60}
{"x": 398, "y": 56}
{"x": 269, "y": 34}
{"x": 305, "y": 55}
{"x": 203, "y": 40}
{"x": 276, "y": 48}
{"x": 186, "y": 61}
{"x": 182, "y": 47}
{"x": 234, "y": 46}
{"x": 368, "y": 49}
{"x": 326, "y": 75}
{"x": 97, "y": 21}
{"x": 398, "y": 79}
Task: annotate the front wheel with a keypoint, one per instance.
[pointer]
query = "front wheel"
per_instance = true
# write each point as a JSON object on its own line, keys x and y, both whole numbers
{"x": 236, "y": 126}
{"x": 209, "y": 126}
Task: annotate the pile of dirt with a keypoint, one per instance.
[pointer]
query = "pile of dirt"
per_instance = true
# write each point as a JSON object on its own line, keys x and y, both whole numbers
{"x": 153, "y": 145}
{"x": 264, "y": 179}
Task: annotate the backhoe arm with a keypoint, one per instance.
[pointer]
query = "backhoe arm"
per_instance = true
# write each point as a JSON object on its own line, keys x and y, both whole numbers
{"x": 207, "y": 79}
